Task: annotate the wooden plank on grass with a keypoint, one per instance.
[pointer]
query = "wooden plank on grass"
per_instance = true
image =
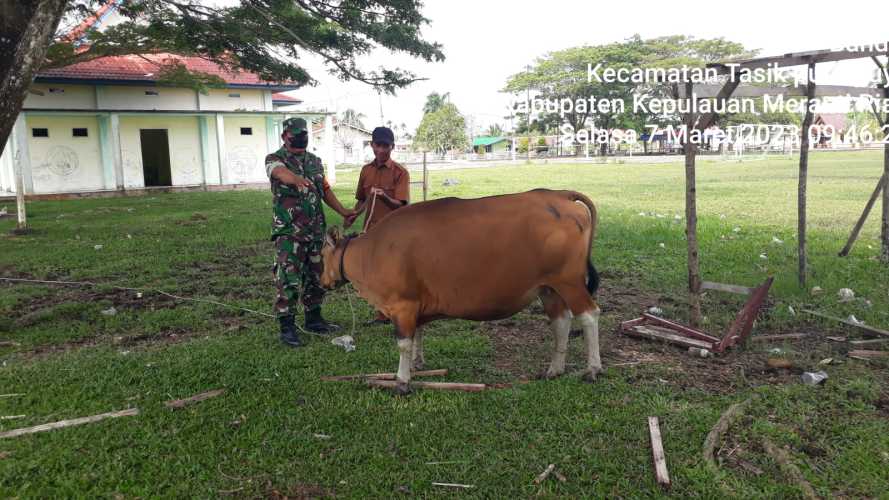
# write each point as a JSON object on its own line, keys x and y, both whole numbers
{"x": 657, "y": 452}
{"x": 658, "y": 333}
{"x": 868, "y": 342}
{"x": 181, "y": 403}
{"x": 868, "y": 354}
{"x": 447, "y": 386}
{"x": 783, "y": 336}
{"x": 68, "y": 423}
{"x": 722, "y": 287}
{"x": 385, "y": 376}
{"x": 870, "y": 329}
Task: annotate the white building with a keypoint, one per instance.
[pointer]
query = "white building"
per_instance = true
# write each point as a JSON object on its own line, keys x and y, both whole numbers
{"x": 106, "y": 125}
{"x": 351, "y": 143}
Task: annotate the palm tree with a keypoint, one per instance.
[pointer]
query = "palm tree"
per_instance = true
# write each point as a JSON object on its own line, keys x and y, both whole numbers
{"x": 434, "y": 101}
{"x": 495, "y": 130}
{"x": 352, "y": 117}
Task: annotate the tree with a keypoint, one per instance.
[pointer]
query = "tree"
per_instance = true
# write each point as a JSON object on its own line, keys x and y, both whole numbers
{"x": 263, "y": 36}
{"x": 442, "y": 130}
{"x": 434, "y": 101}
{"x": 495, "y": 130}
{"x": 563, "y": 74}
{"x": 352, "y": 117}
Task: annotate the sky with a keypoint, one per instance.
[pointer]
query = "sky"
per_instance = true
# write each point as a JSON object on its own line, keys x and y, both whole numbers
{"x": 487, "y": 41}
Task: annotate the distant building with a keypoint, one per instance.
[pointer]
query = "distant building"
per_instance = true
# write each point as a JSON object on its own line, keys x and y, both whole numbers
{"x": 831, "y": 129}
{"x": 107, "y": 125}
{"x": 351, "y": 143}
{"x": 491, "y": 144}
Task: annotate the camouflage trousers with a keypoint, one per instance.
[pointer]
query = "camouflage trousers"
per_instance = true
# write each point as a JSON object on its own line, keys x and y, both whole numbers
{"x": 297, "y": 270}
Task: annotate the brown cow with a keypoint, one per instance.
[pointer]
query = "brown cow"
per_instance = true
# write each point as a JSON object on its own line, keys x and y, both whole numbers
{"x": 480, "y": 259}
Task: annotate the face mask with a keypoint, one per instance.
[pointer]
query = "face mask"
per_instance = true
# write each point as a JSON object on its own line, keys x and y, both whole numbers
{"x": 300, "y": 141}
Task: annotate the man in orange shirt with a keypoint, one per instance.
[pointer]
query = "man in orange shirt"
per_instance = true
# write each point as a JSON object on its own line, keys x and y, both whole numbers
{"x": 383, "y": 186}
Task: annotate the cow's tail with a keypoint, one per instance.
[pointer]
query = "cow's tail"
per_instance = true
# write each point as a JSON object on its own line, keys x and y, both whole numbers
{"x": 592, "y": 278}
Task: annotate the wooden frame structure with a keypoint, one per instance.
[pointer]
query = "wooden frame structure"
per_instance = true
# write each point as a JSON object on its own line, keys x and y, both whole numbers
{"x": 655, "y": 327}
{"x": 701, "y": 122}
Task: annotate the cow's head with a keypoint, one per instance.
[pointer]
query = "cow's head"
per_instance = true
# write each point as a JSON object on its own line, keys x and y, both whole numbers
{"x": 331, "y": 257}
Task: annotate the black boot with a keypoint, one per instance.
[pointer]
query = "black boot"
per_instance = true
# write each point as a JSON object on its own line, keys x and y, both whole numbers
{"x": 288, "y": 331}
{"x": 315, "y": 323}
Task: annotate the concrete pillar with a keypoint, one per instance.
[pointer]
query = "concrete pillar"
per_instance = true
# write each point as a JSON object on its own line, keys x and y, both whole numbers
{"x": 106, "y": 152}
{"x": 329, "y": 151}
{"x": 271, "y": 134}
{"x": 116, "y": 157}
{"x": 220, "y": 146}
{"x": 204, "y": 133}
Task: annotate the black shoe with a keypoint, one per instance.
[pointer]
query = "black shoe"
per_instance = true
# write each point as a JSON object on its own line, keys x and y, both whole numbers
{"x": 288, "y": 331}
{"x": 315, "y": 323}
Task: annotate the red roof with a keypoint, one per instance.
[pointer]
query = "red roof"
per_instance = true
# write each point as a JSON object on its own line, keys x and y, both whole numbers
{"x": 279, "y": 96}
{"x": 145, "y": 68}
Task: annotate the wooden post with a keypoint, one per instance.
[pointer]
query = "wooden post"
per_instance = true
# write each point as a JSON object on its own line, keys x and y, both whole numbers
{"x": 884, "y": 232}
{"x": 870, "y": 203}
{"x": 691, "y": 218}
{"x": 20, "y": 209}
{"x": 803, "y": 176}
{"x": 425, "y": 177}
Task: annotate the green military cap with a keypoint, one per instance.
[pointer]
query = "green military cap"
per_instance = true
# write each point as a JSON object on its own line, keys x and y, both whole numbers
{"x": 295, "y": 125}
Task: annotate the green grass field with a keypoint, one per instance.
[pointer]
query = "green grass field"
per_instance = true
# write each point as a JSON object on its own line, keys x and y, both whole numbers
{"x": 278, "y": 431}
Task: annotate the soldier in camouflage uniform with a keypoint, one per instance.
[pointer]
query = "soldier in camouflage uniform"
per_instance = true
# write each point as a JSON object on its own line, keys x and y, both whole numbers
{"x": 298, "y": 188}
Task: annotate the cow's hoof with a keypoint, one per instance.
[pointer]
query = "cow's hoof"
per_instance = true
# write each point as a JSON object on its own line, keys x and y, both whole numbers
{"x": 402, "y": 389}
{"x": 549, "y": 375}
{"x": 591, "y": 375}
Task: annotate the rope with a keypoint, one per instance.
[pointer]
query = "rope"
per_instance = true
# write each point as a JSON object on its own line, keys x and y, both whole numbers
{"x": 369, "y": 215}
{"x": 177, "y": 297}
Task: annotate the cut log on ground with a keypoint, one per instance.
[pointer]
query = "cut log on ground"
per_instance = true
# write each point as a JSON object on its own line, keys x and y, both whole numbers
{"x": 657, "y": 452}
{"x": 715, "y": 436}
{"x": 68, "y": 423}
{"x": 444, "y": 386}
{"x": 385, "y": 376}
{"x": 869, "y": 329}
{"x": 181, "y": 403}
{"x": 789, "y": 469}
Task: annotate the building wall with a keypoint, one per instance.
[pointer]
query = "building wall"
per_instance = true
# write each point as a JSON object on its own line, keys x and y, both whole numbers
{"x": 350, "y": 145}
{"x": 245, "y": 154}
{"x": 7, "y": 179}
{"x": 62, "y": 163}
{"x": 134, "y": 97}
{"x": 184, "y": 142}
{"x": 225, "y": 100}
{"x": 70, "y": 97}
{"x": 125, "y": 97}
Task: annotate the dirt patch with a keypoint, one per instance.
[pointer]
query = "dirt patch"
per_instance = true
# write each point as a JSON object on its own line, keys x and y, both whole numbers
{"x": 523, "y": 346}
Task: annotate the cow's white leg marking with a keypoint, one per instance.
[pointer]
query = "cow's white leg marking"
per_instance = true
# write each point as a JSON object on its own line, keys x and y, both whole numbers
{"x": 561, "y": 327}
{"x": 419, "y": 359}
{"x": 405, "y": 353}
{"x": 590, "y": 322}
